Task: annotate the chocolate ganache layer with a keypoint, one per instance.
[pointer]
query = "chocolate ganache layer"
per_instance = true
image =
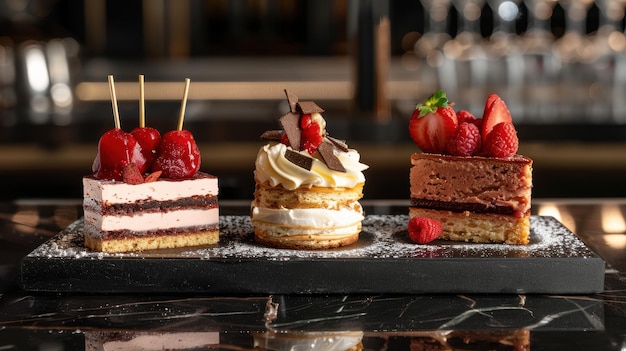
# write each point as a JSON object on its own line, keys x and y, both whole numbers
{"x": 462, "y": 207}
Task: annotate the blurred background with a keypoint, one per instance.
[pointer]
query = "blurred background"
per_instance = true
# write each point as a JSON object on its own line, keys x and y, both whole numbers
{"x": 559, "y": 65}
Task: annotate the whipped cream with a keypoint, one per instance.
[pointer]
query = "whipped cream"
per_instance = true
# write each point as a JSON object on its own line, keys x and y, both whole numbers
{"x": 318, "y": 218}
{"x": 272, "y": 167}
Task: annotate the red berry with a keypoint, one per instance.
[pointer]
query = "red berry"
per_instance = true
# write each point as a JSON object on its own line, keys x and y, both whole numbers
{"x": 305, "y": 121}
{"x": 178, "y": 155}
{"x": 309, "y": 147}
{"x": 433, "y": 123}
{"x": 423, "y": 230}
{"x": 465, "y": 141}
{"x": 466, "y": 116}
{"x": 284, "y": 139}
{"x": 116, "y": 149}
{"x": 149, "y": 140}
{"x": 502, "y": 141}
{"x": 311, "y": 133}
{"x": 495, "y": 112}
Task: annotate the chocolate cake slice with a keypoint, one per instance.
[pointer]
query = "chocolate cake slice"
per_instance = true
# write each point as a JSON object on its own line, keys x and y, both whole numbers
{"x": 477, "y": 199}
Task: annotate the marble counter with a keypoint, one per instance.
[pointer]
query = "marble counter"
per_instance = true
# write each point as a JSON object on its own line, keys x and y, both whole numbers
{"x": 202, "y": 321}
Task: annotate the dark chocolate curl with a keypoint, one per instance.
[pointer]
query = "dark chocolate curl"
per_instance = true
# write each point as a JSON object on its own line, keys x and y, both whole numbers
{"x": 291, "y": 126}
{"x": 292, "y": 99}
{"x": 340, "y": 144}
{"x": 326, "y": 149}
{"x": 308, "y": 107}
{"x": 272, "y": 135}
{"x": 299, "y": 159}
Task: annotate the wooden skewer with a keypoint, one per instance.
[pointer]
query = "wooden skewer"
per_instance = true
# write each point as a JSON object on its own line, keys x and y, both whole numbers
{"x": 183, "y": 105}
{"x": 142, "y": 106}
{"x": 116, "y": 114}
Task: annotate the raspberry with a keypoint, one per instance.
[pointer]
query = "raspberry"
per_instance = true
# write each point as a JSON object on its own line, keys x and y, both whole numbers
{"x": 466, "y": 116}
{"x": 423, "y": 230}
{"x": 502, "y": 141}
{"x": 465, "y": 141}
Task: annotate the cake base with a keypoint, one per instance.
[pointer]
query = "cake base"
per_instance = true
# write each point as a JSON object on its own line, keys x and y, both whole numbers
{"x": 478, "y": 227}
{"x": 152, "y": 242}
{"x": 304, "y": 241}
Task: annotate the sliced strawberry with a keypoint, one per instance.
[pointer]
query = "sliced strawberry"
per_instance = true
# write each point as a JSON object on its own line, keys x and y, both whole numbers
{"x": 495, "y": 112}
{"x": 433, "y": 123}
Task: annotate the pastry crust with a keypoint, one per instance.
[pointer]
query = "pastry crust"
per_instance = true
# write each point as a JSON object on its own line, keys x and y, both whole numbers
{"x": 286, "y": 236}
{"x": 167, "y": 241}
{"x": 314, "y": 197}
{"x": 299, "y": 239}
{"x": 478, "y": 227}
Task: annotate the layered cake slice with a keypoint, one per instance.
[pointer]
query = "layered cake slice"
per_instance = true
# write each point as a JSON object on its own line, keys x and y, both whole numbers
{"x": 165, "y": 213}
{"x": 469, "y": 184}
{"x": 146, "y": 192}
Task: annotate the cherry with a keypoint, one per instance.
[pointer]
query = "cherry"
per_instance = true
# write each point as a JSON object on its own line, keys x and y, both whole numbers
{"x": 178, "y": 155}
{"x": 149, "y": 139}
{"x": 116, "y": 149}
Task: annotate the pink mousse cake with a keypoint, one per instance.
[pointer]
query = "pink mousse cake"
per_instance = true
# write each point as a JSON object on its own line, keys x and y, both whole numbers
{"x": 165, "y": 213}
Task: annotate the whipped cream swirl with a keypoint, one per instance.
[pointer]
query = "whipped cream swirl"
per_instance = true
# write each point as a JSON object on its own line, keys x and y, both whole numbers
{"x": 272, "y": 167}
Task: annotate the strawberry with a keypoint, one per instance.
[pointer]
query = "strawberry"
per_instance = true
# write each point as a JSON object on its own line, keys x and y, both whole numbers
{"x": 465, "y": 141}
{"x": 495, "y": 112}
{"x": 423, "y": 230}
{"x": 502, "y": 141}
{"x": 433, "y": 123}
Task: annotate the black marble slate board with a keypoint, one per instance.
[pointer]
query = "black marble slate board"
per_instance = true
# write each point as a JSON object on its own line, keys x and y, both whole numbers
{"x": 384, "y": 260}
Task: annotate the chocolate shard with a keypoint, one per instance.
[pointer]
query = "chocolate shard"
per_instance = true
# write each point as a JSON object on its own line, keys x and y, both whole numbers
{"x": 272, "y": 135}
{"x": 292, "y": 99}
{"x": 326, "y": 149}
{"x": 306, "y": 107}
{"x": 291, "y": 126}
{"x": 340, "y": 144}
{"x": 299, "y": 159}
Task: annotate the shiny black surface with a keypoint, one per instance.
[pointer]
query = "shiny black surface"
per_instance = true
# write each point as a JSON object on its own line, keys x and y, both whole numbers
{"x": 555, "y": 261}
{"x": 387, "y": 321}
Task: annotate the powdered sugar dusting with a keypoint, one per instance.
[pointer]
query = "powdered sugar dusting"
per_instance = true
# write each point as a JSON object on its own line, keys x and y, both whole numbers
{"x": 383, "y": 237}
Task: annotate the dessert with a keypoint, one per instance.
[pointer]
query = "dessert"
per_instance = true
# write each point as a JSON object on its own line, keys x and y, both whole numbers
{"x": 469, "y": 177}
{"x": 150, "y": 340}
{"x": 460, "y": 340}
{"x": 313, "y": 341}
{"x": 308, "y": 184}
{"x": 132, "y": 202}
